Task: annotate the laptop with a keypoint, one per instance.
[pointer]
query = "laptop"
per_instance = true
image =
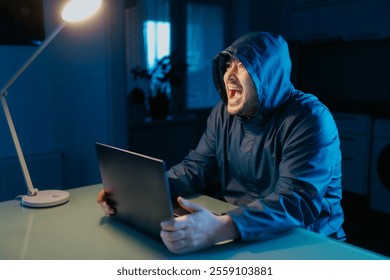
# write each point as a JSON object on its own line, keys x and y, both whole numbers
{"x": 136, "y": 185}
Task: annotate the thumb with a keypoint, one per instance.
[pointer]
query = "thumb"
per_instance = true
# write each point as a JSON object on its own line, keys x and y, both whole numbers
{"x": 189, "y": 206}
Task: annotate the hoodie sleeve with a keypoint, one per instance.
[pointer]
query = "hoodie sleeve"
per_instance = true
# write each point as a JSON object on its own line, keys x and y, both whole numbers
{"x": 199, "y": 168}
{"x": 307, "y": 168}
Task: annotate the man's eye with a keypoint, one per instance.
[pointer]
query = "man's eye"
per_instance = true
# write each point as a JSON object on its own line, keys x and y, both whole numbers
{"x": 240, "y": 65}
{"x": 228, "y": 65}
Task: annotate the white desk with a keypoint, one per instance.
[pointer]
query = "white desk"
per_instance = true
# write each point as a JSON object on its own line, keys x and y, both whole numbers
{"x": 78, "y": 230}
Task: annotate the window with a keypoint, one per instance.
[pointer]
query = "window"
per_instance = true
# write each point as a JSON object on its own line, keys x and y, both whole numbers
{"x": 157, "y": 37}
{"x": 204, "y": 40}
{"x": 149, "y": 37}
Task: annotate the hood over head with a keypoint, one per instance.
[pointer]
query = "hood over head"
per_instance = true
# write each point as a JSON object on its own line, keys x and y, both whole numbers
{"x": 266, "y": 58}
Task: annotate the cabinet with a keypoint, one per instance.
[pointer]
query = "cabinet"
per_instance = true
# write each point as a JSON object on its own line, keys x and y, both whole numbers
{"x": 318, "y": 20}
{"x": 355, "y": 145}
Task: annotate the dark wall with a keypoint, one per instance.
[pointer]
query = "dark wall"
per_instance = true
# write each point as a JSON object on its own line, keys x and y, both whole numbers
{"x": 349, "y": 76}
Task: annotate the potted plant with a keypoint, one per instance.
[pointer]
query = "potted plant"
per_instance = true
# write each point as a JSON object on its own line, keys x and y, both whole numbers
{"x": 160, "y": 79}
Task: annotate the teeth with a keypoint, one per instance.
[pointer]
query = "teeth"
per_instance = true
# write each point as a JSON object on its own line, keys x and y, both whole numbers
{"x": 233, "y": 92}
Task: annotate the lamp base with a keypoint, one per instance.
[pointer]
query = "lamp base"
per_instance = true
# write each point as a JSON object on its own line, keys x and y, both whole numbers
{"x": 46, "y": 198}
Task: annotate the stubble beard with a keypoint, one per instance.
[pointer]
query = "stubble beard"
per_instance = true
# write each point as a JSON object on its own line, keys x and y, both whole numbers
{"x": 248, "y": 109}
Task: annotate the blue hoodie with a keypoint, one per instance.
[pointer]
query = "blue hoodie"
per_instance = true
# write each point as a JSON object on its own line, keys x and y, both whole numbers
{"x": 281, "y": 167}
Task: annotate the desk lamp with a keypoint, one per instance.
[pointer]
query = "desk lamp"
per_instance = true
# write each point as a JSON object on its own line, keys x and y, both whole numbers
{"x": 73, "y": 11}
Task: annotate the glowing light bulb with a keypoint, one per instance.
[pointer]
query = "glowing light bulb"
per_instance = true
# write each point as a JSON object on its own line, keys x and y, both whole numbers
{"x": 78, "y": 10}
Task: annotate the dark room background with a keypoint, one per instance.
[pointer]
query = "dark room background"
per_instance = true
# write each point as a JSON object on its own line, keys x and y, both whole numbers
{"x": 81, "y": 89}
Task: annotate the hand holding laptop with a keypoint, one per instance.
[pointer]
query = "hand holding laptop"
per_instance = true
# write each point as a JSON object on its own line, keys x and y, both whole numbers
{"x": 136, "y": 189}
{"x": 198, "y": 230}
{"x": 101, "y": 199}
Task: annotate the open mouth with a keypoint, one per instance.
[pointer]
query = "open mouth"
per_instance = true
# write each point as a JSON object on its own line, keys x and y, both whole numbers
{"x": 234, "y": 93}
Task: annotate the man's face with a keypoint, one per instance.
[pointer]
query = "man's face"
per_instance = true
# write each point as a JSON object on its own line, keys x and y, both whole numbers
{"x": 242, "y": 98}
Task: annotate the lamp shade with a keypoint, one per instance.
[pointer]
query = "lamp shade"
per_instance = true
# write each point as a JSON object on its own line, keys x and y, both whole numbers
{"x": 78, "y": 10}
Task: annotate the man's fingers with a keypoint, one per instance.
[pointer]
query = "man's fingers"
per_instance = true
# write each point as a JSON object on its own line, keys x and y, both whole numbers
{"x": 189, "y": 206}
{"x": 101, "y": 197}
{"x": 108, "y": 210}
{"x": 172, "y": 236}
{"x": 174, "y": 224}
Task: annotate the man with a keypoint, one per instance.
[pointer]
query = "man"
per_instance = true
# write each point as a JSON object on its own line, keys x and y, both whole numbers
{"x": 268, "y": 148}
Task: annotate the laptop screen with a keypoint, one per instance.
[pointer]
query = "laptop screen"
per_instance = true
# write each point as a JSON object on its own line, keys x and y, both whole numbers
{"x": 136, "y": 186}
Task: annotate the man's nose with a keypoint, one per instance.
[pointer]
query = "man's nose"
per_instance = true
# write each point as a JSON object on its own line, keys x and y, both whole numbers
{"x": 231, "y": 73}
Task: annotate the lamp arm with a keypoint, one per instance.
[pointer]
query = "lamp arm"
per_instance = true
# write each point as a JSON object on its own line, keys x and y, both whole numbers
{"x": 32, "y": 58}
{"x": 31, "y": 190}
{"x": 3, "y": 93}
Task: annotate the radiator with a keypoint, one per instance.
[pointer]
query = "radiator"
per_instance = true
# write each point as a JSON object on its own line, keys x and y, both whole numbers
{"x": 46, "y": 172}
